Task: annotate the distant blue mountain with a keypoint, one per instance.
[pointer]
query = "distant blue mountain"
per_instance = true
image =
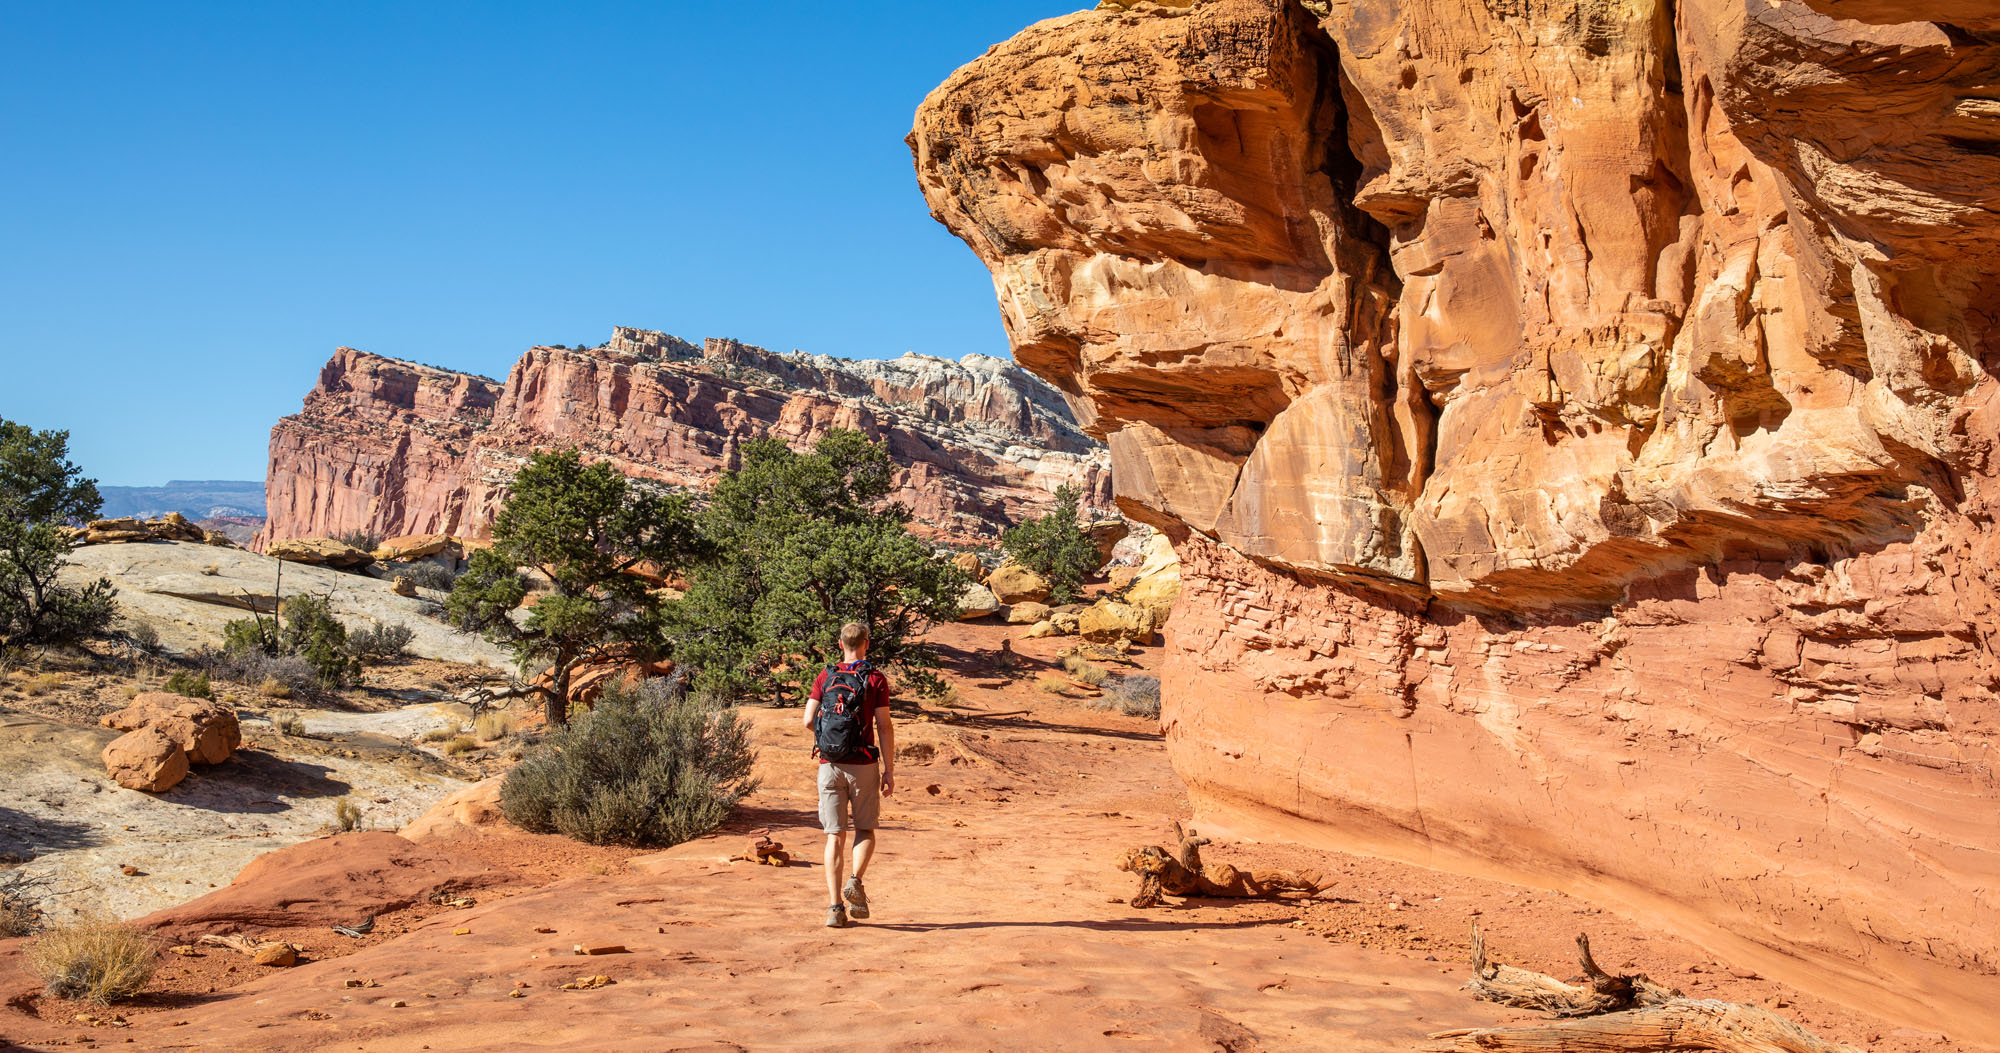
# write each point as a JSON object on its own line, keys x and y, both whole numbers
{"x": 193, "y": 498}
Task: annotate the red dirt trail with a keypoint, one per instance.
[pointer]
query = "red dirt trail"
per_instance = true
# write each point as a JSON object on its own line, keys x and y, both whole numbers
{"x": 999, "y": 923}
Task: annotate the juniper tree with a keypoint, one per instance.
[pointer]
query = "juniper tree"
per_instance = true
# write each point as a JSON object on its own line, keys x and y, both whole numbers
{"x": 41, "y": 493}
{"x": 798, "y": 544}
{"x": 585, "y": 529}
{"x": 1055, "y": 546}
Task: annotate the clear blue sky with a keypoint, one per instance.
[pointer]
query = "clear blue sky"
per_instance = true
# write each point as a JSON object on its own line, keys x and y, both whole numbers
{"x": 202, "y": 200}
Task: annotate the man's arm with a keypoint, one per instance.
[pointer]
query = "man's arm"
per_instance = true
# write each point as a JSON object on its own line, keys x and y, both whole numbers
{"x": 885, "y": 739}
{"x": 812, "y": 701}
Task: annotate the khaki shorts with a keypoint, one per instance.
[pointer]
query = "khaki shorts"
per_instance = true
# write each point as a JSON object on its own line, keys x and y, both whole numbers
{"x": 845, "y": 788}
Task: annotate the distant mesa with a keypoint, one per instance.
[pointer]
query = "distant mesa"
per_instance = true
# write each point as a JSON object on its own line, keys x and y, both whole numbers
{"x": 391, "y": 447}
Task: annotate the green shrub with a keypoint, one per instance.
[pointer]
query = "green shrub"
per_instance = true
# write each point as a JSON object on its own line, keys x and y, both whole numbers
{"x": 647, "y": 765}
{"x": 380, "y": 643}
{"x": 306, "y": 629}
{"x": 193, "y": 685}
{"x": 41, "y": 492}
{"x": 1055, "y": 546}
{"x": 93, "y": 960}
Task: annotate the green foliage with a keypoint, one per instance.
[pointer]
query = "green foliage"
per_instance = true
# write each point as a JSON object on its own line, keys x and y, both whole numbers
{"x": 40, "y": 493}
{"x": 799, "y": 544}
{"x": 651, "y": 765}
{"x": 585, "y": 528}
{"x": 1055, "y": 546}
{"x": 308, "y": 631}
{"x": 193, "y": 685}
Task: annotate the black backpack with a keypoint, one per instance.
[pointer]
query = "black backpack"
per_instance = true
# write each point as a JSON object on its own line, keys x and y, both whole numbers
{"x": 842, "y": 716}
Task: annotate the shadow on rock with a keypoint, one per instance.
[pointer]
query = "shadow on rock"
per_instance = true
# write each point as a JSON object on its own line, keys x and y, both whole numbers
{"x": 256, "y": 782}
{"x": 26, "y": 836}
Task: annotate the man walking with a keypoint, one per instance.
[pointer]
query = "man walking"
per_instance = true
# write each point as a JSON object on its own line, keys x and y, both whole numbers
{"x": 855, "y": 742}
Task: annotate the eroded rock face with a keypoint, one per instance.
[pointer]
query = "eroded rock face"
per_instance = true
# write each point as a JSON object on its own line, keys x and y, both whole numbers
{"x": 398, "y": 448}
{"x": 1576, "y": 422}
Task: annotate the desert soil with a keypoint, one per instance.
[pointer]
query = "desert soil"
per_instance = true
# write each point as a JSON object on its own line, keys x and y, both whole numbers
{"x": 999, "y": 923}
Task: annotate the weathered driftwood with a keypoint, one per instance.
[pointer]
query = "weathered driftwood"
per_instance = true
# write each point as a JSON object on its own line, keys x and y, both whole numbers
{"x": 1182, "y": 873}
{"x": 1507, "y": 985}
{"x": 1619, "y": 1014}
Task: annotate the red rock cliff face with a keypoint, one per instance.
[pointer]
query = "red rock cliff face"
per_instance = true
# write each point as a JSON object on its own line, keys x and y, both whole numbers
{"x": 398, "y": 448}
{"x": 1576, "y": 420}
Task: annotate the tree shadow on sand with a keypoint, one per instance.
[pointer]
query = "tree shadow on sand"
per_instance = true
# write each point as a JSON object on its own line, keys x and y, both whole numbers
{"x": 253, "y": 782}
{"x": 25, "y": 836}
{"x": 1093, "y": 924}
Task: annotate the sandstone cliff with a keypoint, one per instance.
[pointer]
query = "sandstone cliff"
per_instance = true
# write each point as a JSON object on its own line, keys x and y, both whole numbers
{"x": 399, "y": 448}
{"x": 1576, "y": 420}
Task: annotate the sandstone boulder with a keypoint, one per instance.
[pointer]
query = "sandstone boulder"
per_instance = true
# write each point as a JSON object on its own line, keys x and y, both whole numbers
{"x": 978, "y": 602}
{"x": 970, "y": 565}
{"x": 145, "y": 759}
{"x": 1039, "y": 630}
{"x": 318, "y": 551}
{"x": 116, "y": 531}
{"x": 475, "y": 806}
{"x": 217, "y": 538}
{"x": 1120, "y": 577}
{"x": 1158, "y": 580}
{"x": 1014, "y": 583}
{"x": 1109, "y": 620}
{"x": 413, "y": 546}
{"x": 1065, "y": 619}
{"x": 1026, "y": 612}
{"x": 403, "y": 585}
{"x": 206, "y": 730}
{"x": 175, "y": 527}
{"x": 1106, "y": 534}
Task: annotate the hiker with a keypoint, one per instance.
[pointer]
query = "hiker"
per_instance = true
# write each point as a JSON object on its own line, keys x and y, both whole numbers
{"x": 855, "y": 742}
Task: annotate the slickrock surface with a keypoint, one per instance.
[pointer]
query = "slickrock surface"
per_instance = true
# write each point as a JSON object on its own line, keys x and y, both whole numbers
{"x": 999, "y": 923}
{"x": 399, "y": 448}
{"x": 1576, "y": 421}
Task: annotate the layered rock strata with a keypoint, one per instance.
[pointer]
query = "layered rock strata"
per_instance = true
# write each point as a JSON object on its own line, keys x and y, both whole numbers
{"x": 396, "y": 448}
{"x": 1576, "y": 421}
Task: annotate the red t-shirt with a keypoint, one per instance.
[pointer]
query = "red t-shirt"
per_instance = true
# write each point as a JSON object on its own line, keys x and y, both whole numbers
{"x": 873, "y": 700}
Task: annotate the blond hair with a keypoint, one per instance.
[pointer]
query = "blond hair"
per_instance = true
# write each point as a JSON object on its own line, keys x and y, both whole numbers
{"x": 853, "y": 636}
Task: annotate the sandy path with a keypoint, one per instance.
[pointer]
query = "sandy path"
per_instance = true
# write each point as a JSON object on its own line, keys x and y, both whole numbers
{"x": 999, "y": 923}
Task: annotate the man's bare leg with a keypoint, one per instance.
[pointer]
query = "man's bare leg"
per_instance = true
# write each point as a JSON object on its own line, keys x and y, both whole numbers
{"x": 836, "y": 862}
{"x": 864, "y": 850}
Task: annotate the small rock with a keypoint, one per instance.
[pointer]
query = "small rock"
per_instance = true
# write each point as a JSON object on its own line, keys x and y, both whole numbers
{"x": 588, "y": 983}
{"x": 461, "y": 932}
{"x": 131, "y": 871}
{"x": 398, "y": 1004}
{"x": 602, "y": 948}
{"x": 277, "y": 955}
{"x": 517, "y": 993}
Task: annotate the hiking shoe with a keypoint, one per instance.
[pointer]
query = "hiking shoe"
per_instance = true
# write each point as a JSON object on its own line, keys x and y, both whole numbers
{"x": 856, "y": 897}
{"x": 836, "y": 917}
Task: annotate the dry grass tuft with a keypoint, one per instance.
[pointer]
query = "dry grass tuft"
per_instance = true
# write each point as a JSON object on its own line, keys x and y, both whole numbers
{"x": 18, "y": 915}
{"x": 93, "y": 960}
{"x": 290, "y": 724}
{"x": 272, "y": 687}
{"x": 1054, "y": 685}
{"x": 461, "y": 744}
{"x": 346, "y": 816}
{"x": 494, "y": 726}
{"x": 42, "y": 683}
{"x": 440, "y": 735}
{"x": 1085, "y": 671}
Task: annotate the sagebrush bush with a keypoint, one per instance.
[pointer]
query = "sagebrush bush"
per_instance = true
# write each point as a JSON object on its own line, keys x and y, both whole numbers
{"x": 193, "y": 685}
{"x": 306, "y": 629}
{"x": 365, "y": 540}
{"x": 380, "y": 643}
{"x": 647, "y": 765}
{"x": 268, "y": 671}
{"x": 425, "y": 574}
{"x": 93, "y": 960}
{"x": 144, "y": 636}
{"x": 1135, "y": 695}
